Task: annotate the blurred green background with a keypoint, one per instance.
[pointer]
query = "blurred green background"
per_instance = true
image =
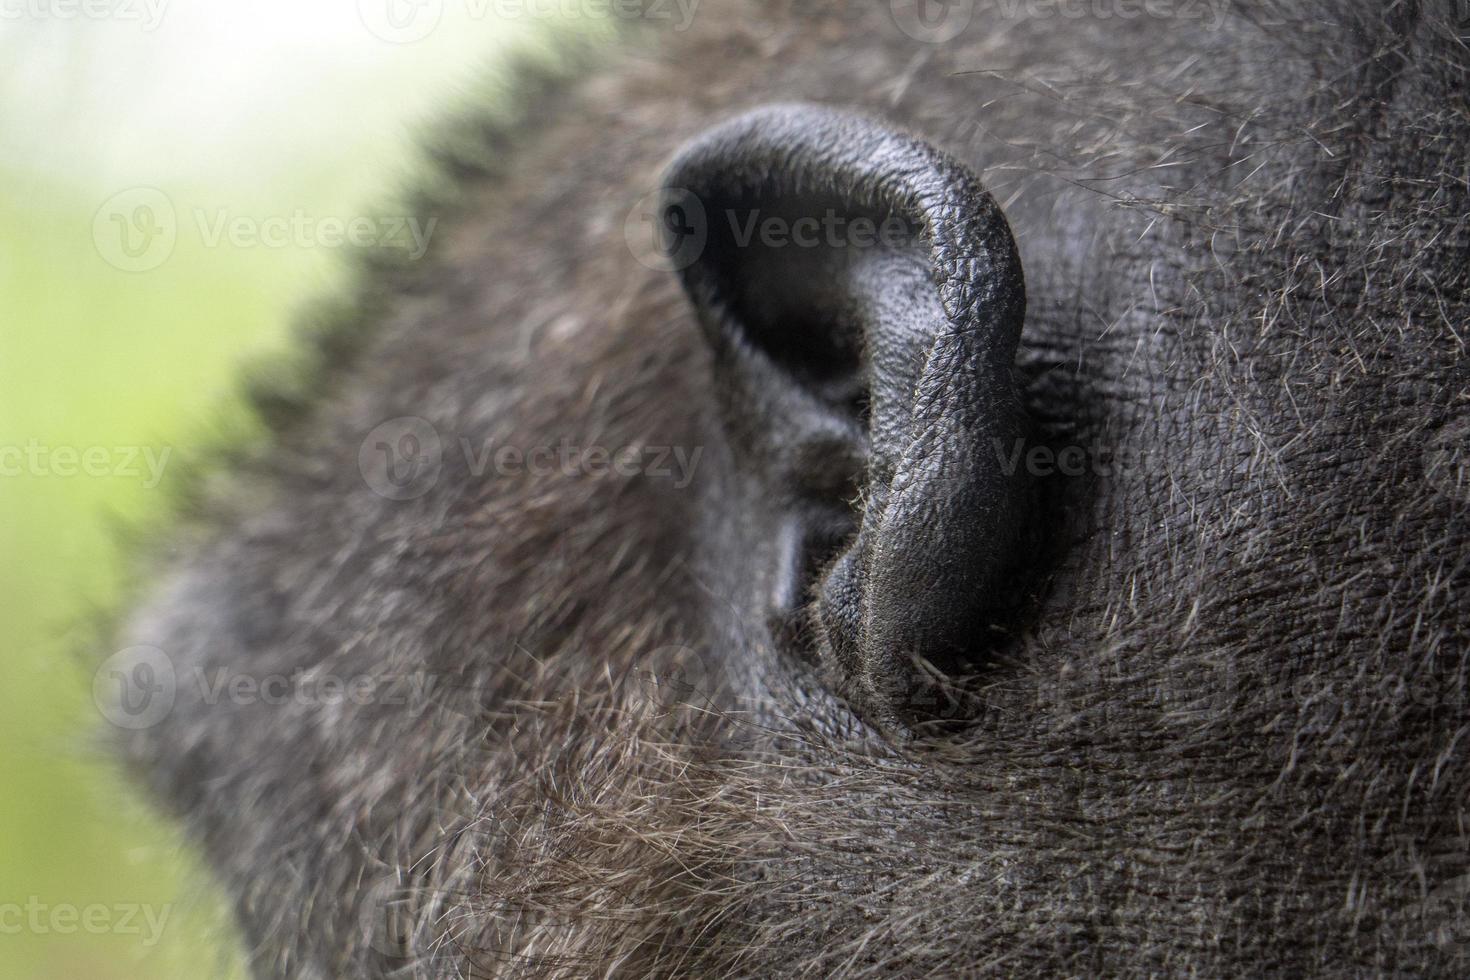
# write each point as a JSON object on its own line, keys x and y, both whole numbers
{"x": 207, "y": 110}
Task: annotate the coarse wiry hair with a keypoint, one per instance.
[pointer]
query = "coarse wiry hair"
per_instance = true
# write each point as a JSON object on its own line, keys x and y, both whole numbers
{"x": 1226, "y": 733}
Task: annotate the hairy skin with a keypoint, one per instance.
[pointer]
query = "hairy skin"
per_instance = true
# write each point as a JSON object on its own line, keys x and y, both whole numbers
{"x": 1219, "y": 727}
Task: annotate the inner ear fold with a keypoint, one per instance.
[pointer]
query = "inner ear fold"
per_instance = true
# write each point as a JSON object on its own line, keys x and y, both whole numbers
{"x": 864, "y": 299}
{"x": 796, "y": 272}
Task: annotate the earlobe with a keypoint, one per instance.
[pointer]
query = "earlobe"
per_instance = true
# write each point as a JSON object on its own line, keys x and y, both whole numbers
{"x": 864, "y": 300}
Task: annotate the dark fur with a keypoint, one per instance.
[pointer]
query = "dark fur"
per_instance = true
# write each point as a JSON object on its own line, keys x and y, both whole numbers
{"x": 1226, "y": 734}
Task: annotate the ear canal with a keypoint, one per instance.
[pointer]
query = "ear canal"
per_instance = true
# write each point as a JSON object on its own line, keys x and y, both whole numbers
{"x": 864, "y": 300}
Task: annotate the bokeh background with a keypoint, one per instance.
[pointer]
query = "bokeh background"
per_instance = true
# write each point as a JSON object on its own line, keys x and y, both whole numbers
{"x": 122, "y": 356}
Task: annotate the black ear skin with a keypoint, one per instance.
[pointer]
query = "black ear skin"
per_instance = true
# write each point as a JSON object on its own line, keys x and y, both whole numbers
{"x": 866, "y": 379}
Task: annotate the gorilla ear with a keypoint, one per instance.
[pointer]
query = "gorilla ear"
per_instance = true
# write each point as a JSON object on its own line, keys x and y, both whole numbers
{"x": 864, "y": 299}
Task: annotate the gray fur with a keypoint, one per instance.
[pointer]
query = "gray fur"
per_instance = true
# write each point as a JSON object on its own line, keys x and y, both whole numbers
{"x": 1225, "y": 732}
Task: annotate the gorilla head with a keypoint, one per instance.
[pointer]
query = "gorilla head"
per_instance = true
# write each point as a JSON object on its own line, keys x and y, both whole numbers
{"x": 719, "y": 559}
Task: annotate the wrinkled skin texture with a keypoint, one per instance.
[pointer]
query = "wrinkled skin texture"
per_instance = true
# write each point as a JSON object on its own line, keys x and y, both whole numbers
{"x": 1217, "y": 722}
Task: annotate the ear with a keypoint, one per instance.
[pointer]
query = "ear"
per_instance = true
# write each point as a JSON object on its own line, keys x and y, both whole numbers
{"x": 864, "y": 299}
